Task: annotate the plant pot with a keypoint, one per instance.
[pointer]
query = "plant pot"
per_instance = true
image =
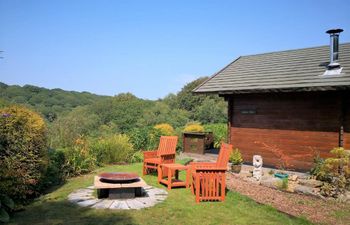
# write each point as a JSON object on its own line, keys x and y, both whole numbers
{"x": 281, "y": 175}
{"x": 236, "y": 168}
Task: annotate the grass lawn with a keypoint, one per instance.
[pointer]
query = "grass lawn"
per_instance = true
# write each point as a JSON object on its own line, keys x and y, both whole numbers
{"x": 178, "y": 208}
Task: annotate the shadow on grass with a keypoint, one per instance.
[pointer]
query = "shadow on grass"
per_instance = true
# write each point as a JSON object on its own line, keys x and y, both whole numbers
{"x": 64, "y": 212}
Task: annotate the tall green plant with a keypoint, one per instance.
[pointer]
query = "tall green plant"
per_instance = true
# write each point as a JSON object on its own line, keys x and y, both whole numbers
{"x": 112, "y": 149}
{"x": 145, "y": 138}
{"x": 78, "y": 159}
{"x": 219, "y": 131}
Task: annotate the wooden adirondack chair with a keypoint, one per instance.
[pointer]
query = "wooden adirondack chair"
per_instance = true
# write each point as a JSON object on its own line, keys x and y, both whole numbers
{"x": 209, "y": 178}
{"x": 165, "y": 154}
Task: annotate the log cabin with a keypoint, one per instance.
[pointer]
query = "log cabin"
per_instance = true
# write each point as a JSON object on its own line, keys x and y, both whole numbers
{"x": 287, "y": 106}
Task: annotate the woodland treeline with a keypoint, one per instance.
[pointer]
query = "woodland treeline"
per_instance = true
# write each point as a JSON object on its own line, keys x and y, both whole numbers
{"x": 123, "y": 112}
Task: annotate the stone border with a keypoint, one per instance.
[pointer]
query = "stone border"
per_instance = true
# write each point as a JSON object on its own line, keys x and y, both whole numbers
{"x": 151, "y": 196}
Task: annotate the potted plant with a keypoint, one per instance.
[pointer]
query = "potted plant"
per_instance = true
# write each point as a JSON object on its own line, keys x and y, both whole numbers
{"x": 236, "y": 160}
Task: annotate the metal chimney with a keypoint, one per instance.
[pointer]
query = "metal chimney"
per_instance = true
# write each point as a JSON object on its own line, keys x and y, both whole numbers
{"x": 334, "y": 48}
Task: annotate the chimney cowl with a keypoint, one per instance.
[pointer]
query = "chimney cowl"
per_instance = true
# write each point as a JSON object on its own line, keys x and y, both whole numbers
{"x": 334, "y": 48}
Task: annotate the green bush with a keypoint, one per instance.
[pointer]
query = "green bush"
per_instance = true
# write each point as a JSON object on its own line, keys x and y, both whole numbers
{"x": 335, "y": 172}
{"x": 56, "y": 170}
{"x": 137, "y": 157}
{"x": 23, "y": 152}
{"x": 179, "y": 134}
{"x": 219, "y": 131}
{"x": 78, "y": 159}
{"x": 317, "y": 167}
{"x": 112, "y": 149}
{"x": 145, "y": 138}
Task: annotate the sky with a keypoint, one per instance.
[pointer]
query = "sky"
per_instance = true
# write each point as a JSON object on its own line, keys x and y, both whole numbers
{"x": 151, "y": 48}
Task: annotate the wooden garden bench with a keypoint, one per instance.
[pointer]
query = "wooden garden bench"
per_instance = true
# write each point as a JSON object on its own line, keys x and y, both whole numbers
{"x": 164, "y": 154}
{"x": 209, "y": 178}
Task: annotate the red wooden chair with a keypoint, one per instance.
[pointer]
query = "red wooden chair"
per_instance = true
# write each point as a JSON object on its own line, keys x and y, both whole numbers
{"x": 165, "y": 154}
{"x": 209, "y": 178}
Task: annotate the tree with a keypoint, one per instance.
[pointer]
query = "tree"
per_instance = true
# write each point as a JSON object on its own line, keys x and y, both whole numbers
{"x": 211, "y": 111}
{"x": 186, "y": 99}
{"x": 124, "y": 110}
{"x": 200, "y": 107}
{"x": 51, "y": 103}
{"x": 66, "y": 130}
{"x": 162, "y": 113}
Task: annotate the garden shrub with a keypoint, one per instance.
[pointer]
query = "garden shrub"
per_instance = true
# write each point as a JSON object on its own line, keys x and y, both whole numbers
{"x": 78, "y": 159}
{"x": 318, "y": 164}
{"x": 56, "y": 170}
{"x": 165, "y": 129}
{"x": 23, "y": 152}
{"x": 178, "y": 133}
{"x": 112, "y": 149}
{"x": 145, "y": 138}
{"x": 335, "y": 172}
{"x": 194, "y": 127}
{"x": 137, "y": 157}
{"x": 219, "y": 131}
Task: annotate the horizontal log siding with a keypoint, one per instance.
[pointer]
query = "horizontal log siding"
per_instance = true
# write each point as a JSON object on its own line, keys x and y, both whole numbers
{"x": 346, "y": 98}
{"x": 288, "y": 129}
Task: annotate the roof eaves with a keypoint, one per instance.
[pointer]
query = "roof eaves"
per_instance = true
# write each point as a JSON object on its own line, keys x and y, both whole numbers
{"x": 196, "y": 89}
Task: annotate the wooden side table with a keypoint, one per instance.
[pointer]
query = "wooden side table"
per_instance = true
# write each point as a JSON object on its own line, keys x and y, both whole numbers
{"x": 172, "y": 178}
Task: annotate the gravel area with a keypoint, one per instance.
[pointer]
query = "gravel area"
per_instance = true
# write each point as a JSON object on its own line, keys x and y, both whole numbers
{"x": 314, "y": 209}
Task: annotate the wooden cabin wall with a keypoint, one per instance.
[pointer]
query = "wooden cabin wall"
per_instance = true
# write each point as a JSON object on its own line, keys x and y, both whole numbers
{"x": 346, "y": 99}
{"x": 287, "y": 129}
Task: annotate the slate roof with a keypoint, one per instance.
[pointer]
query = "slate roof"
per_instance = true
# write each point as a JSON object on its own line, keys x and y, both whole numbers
{"x": 285, "y": 71}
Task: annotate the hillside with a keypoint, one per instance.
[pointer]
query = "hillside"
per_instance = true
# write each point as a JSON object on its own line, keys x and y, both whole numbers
{"x": 49, "y": 102}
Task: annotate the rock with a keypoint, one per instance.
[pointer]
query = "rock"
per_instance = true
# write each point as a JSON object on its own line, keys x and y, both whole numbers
{"x": 311, "y": 183}
{"x": 304, "y": 190}
{"x": 293, "y": 177}
{"x": 271, "y": 182}
{"x": 291, "y": 186}
{"x": 344, "y": 197}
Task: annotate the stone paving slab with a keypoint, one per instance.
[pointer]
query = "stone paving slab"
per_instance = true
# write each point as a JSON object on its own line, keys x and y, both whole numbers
{"x": 89, "y": 202}
{"x": 84, "y": 198}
